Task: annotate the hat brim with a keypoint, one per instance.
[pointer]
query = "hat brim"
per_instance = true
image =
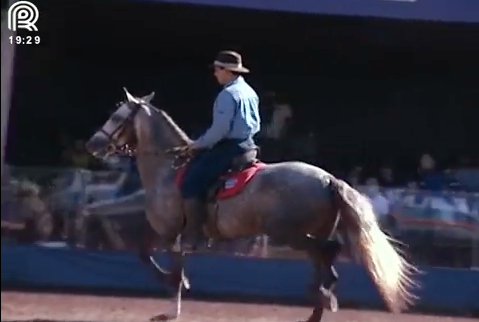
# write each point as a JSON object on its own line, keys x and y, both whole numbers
{"x": 231, "y": 67}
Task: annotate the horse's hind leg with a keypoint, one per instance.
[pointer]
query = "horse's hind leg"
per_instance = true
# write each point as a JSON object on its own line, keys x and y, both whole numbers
{"x": 325, "y": 278}
{"x": 322, "y": 253}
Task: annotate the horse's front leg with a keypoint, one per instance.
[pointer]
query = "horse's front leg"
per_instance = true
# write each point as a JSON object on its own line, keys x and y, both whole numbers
{"x": 144, "y": 252}
{"x": 176, "y": 280}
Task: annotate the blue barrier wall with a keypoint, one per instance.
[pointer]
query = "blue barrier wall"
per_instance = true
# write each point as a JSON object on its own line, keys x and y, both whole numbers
{"x": 222, "y": 275}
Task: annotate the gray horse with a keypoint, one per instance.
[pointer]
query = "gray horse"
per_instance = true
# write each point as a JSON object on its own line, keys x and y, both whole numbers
{"x": 295, "y": 203}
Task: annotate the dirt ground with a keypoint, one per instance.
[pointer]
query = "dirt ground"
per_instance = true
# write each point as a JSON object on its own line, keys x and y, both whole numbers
{"x": 18, "y": 306}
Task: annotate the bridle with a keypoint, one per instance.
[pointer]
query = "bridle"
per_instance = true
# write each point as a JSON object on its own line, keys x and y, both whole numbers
{"x": 113, "y": 147}
{"x": 180, "y": 158}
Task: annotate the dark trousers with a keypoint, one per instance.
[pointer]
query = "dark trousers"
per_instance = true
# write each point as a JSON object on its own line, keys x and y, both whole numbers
{"x": 207, "y": 166}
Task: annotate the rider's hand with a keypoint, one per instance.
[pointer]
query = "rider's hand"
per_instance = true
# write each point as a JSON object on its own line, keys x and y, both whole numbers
{"x": 185, "y": 149}
{"x": 190, "y": 147}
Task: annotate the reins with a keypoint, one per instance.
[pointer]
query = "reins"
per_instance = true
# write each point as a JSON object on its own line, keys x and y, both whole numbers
{"x": 180, "y": 156}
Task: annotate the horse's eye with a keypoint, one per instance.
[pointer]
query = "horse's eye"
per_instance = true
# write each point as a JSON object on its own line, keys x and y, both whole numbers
{"x": 115, "y": 118}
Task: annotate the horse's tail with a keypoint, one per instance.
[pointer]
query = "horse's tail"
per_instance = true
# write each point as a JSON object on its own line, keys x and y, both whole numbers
{"x": 389, "y": 270}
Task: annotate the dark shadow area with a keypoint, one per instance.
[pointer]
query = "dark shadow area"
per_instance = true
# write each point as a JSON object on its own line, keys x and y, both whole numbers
{"x": 401, "y": 87}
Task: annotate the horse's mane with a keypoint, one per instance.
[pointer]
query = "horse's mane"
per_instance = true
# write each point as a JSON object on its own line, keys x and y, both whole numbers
{"x": 171, "y": 123}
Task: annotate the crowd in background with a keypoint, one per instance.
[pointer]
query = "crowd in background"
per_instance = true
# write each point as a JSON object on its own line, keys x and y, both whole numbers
{"x": 278, "y": 142}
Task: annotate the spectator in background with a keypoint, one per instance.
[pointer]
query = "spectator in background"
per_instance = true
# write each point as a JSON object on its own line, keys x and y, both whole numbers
{"x": 76, "y": 156}
{"x": 387, "y": 178}
{"x": 379, "y": 202}
{"x": 267, "y": 100}
{"x": 32, "y": 220}
{"x": 276, "y": 115}
{"x": 282, "y": 113}
{"x": 305, "y": 148}
{"x": 429, "y": 177}
{"x": 412, "y": 185}
{"x": 355, "y": 176}
{"x": 70, "y": 184}
{"x": 132, "y": 182}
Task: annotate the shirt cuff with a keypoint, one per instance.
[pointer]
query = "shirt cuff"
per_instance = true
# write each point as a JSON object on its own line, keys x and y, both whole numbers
{"x": 197, "y": 144}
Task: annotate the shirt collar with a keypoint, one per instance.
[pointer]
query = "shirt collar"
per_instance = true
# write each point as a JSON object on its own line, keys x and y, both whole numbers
{"x": 234, "y": 81}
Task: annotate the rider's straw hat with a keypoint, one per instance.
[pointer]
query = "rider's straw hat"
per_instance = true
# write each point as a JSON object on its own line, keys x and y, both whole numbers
{"x": 230, "y": 60}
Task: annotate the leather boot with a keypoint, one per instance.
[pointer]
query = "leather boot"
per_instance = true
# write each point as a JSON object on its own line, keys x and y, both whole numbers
{"x": 195, "y": 212}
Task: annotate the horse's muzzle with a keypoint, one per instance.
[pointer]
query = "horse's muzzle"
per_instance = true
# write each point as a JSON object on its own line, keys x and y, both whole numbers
{"x": 98, "y": 146}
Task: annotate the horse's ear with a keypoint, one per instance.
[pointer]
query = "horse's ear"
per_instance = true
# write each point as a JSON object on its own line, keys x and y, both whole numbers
{"x": 149, "y": 97}
{"x": 129, "y": 97}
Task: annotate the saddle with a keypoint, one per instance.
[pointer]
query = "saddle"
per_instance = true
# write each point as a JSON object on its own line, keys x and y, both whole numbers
{"x": 243, "y": 168}
{"x": 244, "y": 161}
{"x": 231, "y": 183}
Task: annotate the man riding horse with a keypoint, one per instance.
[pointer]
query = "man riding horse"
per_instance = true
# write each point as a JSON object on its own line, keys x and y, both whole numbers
{"x": 295, "y": 203}
{"x": 236, "y": 120}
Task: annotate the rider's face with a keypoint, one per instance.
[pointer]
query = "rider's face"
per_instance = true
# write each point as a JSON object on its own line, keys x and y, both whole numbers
{"x": 222, "y": 75}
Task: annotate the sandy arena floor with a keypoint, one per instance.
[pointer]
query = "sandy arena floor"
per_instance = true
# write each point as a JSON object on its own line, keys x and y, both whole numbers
{"x": 17, "y": 306}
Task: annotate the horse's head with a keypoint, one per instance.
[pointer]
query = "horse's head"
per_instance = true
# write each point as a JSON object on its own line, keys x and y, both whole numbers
{"x": 137, "y": 124}
{"x": 118, "y": 131}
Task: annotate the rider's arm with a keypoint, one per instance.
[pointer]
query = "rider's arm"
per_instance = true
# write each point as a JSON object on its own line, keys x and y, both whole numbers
{"x": 223, "y": 113}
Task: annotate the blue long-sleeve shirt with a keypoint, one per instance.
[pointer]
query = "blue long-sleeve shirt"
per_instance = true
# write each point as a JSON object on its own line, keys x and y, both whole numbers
{"x": 235, "y": 115}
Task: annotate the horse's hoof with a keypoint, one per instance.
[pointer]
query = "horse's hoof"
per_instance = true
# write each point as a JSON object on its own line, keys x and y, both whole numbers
{"x": 163, "y": 317}
{"x": 333, "y": 305}
{"x": 330, "y": 301}
{"x": 186, "y": 282}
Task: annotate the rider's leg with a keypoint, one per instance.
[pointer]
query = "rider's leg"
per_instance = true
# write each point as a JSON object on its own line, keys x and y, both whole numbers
{"x": 192, "y": 191}
{"x": 195, "y": 212}
{"x": 200, "y": 175}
